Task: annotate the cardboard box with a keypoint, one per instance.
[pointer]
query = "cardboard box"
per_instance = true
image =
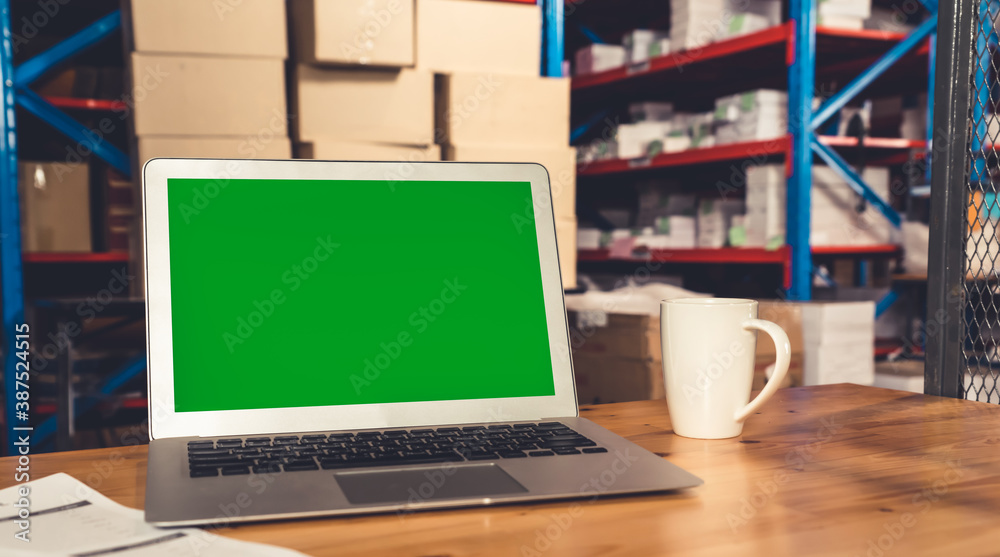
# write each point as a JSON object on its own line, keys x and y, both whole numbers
{"x": 566, "y": 242}
{"x": 639, "y": 42}
{"x": 272, "y": 147}
{"x": 203, "y": 95}
{"x": 357, "y": 151}
{"x": 55, "y": 206}
{"x": 559, "y": 161}
{"x": 462, "y": 36}
{"x": 366, "y": 32}
{"x": 363, "y": 105}
{"x": 510, "y": 110}
{"x": 597, "y": 58}
{"x": 216, "y": 28}
{"x": 794, "y": 377}
{"x": 601, "y": 379}
{"x": 788, "y": 316}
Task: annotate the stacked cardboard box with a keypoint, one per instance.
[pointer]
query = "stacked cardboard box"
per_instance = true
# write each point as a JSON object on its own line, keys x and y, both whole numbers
{"x": 355, "y": 93}
{"x": 55, "y": 206}
{"x": 839, "y": 340}
{"x": 715, "y": 218}
{"x": 490, "y": 103}
{"x": 843, "y": 14}
{"x": 599, "y": 57}
{"x": 209, "y": 83}
{"x": 749, "y": 116}
{"x": 121, "y": 211}
{"x": 696, "y": 23}
{"x": 838, "y": 216}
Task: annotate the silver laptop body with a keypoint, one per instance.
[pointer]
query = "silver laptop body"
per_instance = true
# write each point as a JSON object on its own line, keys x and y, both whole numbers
{"x": 210, "y": 444}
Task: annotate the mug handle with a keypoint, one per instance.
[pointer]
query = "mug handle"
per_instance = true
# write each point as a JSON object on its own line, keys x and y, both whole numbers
{"x": 783, "y": 351}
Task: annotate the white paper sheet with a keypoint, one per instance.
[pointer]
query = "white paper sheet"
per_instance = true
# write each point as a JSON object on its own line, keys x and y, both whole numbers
{"x": 66, "y": 517}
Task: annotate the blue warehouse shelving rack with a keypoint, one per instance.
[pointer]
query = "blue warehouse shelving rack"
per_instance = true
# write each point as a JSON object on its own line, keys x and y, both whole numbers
{"x": 862, "y": 59}
{"x": 17, "y": 93}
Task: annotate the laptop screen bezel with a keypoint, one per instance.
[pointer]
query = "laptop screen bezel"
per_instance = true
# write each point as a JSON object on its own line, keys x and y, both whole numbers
{"x": 165, "y": 422}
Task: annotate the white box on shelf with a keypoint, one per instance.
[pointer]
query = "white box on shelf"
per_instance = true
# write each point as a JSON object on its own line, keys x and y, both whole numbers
{"x": 598, "y": 58}
{"x": 714, "y": 219}
{"x": 651, "y": 112}
{"x": 851, "y": 8}
{"x": 588, "y": 238}
{"x": 634, "y": 139}
{"x": 757, "y": 103}
{"x": 637, "y": 44}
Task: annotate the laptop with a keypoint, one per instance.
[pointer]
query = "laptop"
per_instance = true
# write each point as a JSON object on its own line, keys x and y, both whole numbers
{"x": 339, "y": 338}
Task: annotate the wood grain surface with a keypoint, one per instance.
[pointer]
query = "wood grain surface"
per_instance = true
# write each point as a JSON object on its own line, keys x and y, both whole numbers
{"x": 821, "y": 471}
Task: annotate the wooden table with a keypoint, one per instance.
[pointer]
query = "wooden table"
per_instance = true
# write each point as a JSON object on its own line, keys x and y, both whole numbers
{"x": 832, "y": 470}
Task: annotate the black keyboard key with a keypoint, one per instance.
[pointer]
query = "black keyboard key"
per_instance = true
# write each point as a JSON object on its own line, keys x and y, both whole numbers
{"x": 568, "y": 450}
{"x": 258, "y": 443}
{"x": 300, "y": 466}
{"x": 235, "y": 470}
{"x": 229, "y": 443}
{"x": 285, "y": 442}
{"x": 213, "y": 459}
{"x": 269, "y": 468}
{"x": 512, "y": 454}
{"x": 199, "y": 452}
{"x": 200, "y": 444}
{"x": 570, "y": 437}
{"x": 204, "y": 472}
{"x": 420, "y": 431}
{"x": 541, "y": 453}
{"x": 526, "y": 446}
{"x": 501, "y": 426}
{"x": 550, "y": 424}
{"x": 287, "y": 438}
{"x": 448, "y": 430}
{"x": 341, "y": 436}
{"x": 524, "y": 426}
{"x": 592, "y": 450}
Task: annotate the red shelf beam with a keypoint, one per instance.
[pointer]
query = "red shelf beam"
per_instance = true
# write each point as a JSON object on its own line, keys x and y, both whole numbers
{"x": 739, "y": 151}
{"x": 675, "y": 60}
{"x": 780, "y": 256}
{"x": 61, "y": 257}
{"x": 829, "y": 39}
{"x": 86, "y": 104}
{"x": 695, "y": 255}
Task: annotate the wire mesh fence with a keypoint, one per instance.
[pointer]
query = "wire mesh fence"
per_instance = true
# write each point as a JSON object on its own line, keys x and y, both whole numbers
{"x": 981, "y": 323}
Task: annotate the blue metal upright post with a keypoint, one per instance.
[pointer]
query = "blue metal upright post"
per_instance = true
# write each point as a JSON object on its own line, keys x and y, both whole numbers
{"x": 801, "y": 80}
{"x": 552, "y": 38}
{"x": 981, "y": 86}
{"x": 11, "y": 279}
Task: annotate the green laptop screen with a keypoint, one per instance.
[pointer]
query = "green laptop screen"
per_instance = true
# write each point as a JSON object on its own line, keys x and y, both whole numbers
{"x": 291, "y": 293}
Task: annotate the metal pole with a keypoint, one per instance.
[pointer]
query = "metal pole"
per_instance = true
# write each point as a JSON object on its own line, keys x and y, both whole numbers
{"x": 552, "y": 38}
{"x": 943, "y": 371}
{"x": 11, "y": 278}
{"x": 801, "y": 84}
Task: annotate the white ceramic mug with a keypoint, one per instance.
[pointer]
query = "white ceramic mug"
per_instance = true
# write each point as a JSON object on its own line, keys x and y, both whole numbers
{"x": 708, "y": 361}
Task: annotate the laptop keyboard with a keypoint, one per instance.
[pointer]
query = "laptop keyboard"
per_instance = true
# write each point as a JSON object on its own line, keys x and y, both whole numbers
{"x": 292, "y": 453}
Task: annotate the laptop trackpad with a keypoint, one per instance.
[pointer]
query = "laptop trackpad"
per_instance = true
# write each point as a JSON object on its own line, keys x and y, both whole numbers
{"x": 426, "y": 484}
